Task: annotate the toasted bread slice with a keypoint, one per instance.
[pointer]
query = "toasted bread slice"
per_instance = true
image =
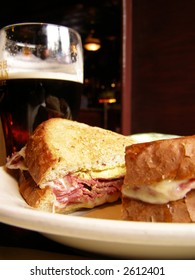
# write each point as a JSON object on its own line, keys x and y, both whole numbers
{"x": 60, "y": 146}
{"x": 154, "y": 161}
{"x": 180, "y": 211}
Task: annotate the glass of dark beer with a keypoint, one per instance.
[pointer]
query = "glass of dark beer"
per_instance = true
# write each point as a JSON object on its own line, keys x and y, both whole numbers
{"x": 41, "y": 77}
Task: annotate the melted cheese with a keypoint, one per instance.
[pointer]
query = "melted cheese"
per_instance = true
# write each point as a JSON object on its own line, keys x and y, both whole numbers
{"x": 112, "y": 173}
{"x": 160, "y": 193}
{"x": 61, "y": 183}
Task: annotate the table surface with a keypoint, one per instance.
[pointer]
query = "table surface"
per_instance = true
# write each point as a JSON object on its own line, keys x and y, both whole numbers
{"x": 20, "y": 244}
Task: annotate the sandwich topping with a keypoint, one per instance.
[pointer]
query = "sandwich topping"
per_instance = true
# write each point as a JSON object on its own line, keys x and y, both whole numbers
{"x": 161, "y": 192}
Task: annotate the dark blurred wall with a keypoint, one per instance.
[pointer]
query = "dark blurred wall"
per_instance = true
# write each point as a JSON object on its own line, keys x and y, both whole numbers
{"x": 163, "y": 79}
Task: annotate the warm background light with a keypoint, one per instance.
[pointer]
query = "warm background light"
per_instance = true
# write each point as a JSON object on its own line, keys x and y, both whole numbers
{"x": 92, "y": 44}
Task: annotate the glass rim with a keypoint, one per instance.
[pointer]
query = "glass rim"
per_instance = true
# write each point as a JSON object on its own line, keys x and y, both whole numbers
{"x": 39, "y": 23}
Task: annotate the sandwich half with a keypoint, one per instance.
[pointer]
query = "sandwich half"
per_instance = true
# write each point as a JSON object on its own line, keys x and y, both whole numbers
{"x": 159, "y": 185}
{"x": 67, "y": 165}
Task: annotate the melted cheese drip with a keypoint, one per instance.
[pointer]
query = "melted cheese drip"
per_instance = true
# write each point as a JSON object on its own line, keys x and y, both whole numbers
{"x": 160, "y": 193}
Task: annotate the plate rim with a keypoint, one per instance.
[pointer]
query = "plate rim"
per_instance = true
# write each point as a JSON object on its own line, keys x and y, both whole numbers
{"x": 22, "y": 215}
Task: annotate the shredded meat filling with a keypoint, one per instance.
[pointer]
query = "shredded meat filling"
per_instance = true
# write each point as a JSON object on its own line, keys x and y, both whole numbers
{"x": 85, "y": 190}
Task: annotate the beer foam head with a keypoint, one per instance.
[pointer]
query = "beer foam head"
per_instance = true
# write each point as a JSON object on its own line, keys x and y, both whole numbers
{"x": 59, "y": 57}
{"x": 2, "y": 43}
{"x": 31, "y": 66}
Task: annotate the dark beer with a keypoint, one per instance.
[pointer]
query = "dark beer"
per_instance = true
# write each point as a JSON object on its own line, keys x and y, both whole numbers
{"x": 41, "y": 77}
{"x": 25, "y": 103}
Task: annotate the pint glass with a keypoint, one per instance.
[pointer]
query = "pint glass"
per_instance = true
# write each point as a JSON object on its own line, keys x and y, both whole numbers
{"x": 41, "y": 77}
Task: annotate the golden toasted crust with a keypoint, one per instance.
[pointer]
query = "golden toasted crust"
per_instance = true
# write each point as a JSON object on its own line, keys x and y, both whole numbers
{"x": 180, "y": 211}
{"x": 34, "y": 196}
{"x": 60, "y": 146}
{"x": 148, "y": 163}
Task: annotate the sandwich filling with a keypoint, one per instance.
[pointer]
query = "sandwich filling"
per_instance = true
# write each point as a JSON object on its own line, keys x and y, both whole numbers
{"x": 74, "y": 189}
{"x": 161, "y": 192}
{"x": 16, "y": 161}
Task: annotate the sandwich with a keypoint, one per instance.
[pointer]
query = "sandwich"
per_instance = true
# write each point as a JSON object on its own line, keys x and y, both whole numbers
{"x": 159, "y": 184}
{"x": 66, "y": 166}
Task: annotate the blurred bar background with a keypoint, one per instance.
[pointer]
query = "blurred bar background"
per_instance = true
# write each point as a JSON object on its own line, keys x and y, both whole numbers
{"x": 142, "y": 78}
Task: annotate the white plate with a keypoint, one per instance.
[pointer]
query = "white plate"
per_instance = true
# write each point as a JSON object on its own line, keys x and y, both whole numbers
{"x": 116, "y": 238}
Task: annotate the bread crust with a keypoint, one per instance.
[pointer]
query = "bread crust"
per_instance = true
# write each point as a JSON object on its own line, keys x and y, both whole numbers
{"x": 180, "y": 211}
{"x": 33, "y": 195}
{"x": 60, "y": 146}
{"x": 151, "y": 162}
